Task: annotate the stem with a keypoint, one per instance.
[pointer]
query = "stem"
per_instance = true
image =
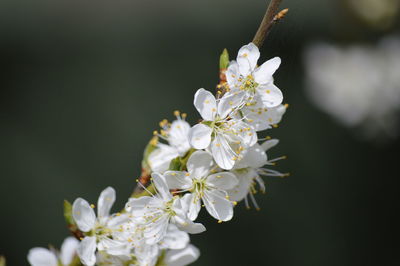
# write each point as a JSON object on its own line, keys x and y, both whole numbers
{"x": 267, "y": 22}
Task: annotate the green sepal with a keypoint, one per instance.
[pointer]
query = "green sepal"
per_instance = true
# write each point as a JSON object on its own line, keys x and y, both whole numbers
{"x": 175, "y": 164}
{"x": 179, "y": 163}
{"x": 224, "y": 59}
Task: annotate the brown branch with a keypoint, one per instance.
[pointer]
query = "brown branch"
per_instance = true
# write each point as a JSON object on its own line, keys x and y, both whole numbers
{"x": 270, "y": 18}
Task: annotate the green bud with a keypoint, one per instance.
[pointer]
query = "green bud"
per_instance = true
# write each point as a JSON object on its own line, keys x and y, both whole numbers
{"x": 68, "y": 213}
{"x": 224, "y": 59}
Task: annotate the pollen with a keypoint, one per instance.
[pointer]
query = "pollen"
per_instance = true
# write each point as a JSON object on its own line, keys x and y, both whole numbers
{"x": 92, "y": 206}
{"x": 219, "y": 221}
{"x": 177, "y": 113}
{"x": 267, "y": 91}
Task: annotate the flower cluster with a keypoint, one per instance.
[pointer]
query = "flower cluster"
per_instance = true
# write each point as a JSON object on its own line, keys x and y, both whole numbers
{"x": 213, "y": 164}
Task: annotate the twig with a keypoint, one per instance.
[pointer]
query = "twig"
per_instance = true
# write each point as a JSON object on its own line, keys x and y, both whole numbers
{"x": 270, "y": 18}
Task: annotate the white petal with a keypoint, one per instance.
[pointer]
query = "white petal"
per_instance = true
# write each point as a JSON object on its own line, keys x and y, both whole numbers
{"x": 175, "y": 238}
{"x": 200, "y": 136}
{"x": 113, "y": 247}
{"x": 229, "y": 102}
{"x": 205, "y": 103}
{"x": 270, "y": 95}
{"x": 178, "y": 136}
{"x": 245, "y": 178}
{"x": 178, "y": 180}
{"x": 160, "y": 158}
{"x": 222, "y": 152}
{"x": 161, "y": 186}
{"x": 263, "y": 74}
{"x": 41, "y": 257}
{"x": 191, "y": 206}
{"x": 223, "y": 180}
{"x": 251, "y": 53}
{"x": 146, "y": 255}
{"x": 155, "y": 231}
{"x": 138, "y": 206}
{"x": 254, "y": 157}
{"x": 68, "y": 250}
{"x": 260, "y": 117}
{"x": 232, "y": 74}
{"x": 269, "y": 144}
{"x": 199, "y": 164}
{"x": 217, "y": 205}
{"x": 247, "y": 59}
{"x": 244, "y": 132}
{"x": 194, "y": 208}
{"x": 83, "y": 215}
{"x": 86, "y": 250}
{"x": 193, "y": 228}
{"x": 182, "y": 257}
{"x": 105, "y": 202}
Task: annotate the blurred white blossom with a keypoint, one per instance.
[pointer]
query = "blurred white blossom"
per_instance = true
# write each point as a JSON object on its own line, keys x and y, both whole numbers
{"x": 358, "y": 85}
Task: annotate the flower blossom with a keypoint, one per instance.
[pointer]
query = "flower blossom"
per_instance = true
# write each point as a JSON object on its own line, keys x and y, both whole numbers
{"x": 98, "y": 230}
{"x": 204, "y": 186}
{"x": 225, "y": 136}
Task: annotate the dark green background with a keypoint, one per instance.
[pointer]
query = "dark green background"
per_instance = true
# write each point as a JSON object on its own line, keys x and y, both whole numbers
{"x": 84, "y": 84}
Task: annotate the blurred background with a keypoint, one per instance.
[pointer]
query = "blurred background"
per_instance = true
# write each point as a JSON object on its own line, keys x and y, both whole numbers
{"x": 85, "y": 83}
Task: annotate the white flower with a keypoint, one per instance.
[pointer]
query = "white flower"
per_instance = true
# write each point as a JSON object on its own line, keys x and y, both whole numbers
{"x": 249, "y": 169}
{"x": 227, "y": 136}
{"x": 249, "y": 84}
{"x": 211, "y": 189}
{"x": 176, "y": 134}
{"x": 154, "y": 214}
{"x": 98, "y": 230}
{"x": 181, "y": 257}
{"x": 44, "y": 257}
